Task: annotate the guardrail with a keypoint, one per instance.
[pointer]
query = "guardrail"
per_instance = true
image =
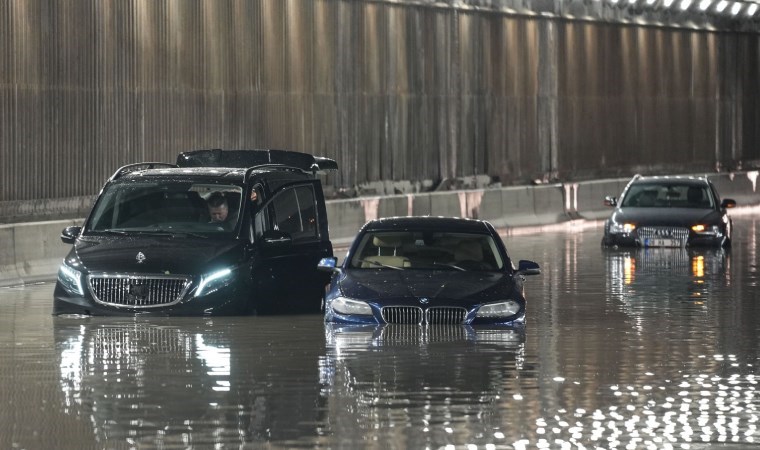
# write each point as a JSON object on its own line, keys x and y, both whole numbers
{"x": 31, "y": 252}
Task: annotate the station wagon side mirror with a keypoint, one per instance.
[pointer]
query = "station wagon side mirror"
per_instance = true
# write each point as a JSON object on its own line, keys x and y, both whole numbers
{"x": 328, "y": 264}
{"x": 727, "y": 203}
{"x": 69, "y": 234}
{"x": 526, "y": 267}
{"x": 276, "y": 237}
{"x": 610, "y": 201}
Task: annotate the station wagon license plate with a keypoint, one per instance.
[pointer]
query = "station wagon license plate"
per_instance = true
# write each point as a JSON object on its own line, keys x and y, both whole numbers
{"x": 662, "y": 242}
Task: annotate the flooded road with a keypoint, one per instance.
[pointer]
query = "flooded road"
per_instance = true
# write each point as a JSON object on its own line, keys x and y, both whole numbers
{"x": 622, "y": 349}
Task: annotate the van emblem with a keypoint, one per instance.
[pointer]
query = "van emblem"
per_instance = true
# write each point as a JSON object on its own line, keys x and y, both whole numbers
{"x": 424, "y": 300}
{"x": 140, "y": 257}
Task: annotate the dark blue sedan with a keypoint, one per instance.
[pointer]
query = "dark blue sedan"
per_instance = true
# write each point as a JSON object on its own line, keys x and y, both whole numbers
{"x": 427, "y": 270}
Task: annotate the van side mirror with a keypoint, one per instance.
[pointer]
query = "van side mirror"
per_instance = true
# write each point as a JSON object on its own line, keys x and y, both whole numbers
{"x": 69, "y": 234}
{"x": 727, "y": 203}
{"x": 526, "y": 267}
{"x": 328, "y": 264}
{"x": 610, "y": 201}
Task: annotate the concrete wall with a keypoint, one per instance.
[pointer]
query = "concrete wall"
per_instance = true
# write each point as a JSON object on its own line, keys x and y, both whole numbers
{"x": 32, "y": 251}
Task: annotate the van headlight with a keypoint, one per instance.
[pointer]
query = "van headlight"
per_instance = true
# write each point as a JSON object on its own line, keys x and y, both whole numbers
{"x": 70, "y": 279}
{"x": 214, "y": 281}
{"x": 347, "y": 306}
{"x": 497, "y": 310}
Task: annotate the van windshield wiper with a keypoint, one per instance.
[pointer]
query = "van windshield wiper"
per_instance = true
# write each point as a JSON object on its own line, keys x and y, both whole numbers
{"x": 157, "y": 232}
{"x": 173, "y": 233}
{"x": 119, "y": 232}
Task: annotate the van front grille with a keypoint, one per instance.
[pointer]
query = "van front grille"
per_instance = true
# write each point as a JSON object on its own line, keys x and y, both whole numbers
{"x": 138, "y": 291}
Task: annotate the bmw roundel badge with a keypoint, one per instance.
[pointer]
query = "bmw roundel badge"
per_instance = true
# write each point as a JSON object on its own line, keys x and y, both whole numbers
{"x": 424, "y": 300}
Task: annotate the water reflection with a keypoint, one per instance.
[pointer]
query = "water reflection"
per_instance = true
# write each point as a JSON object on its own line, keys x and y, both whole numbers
{"x": 187, "y": 383}
{"x": 670, "y": 273}
{"x": 441, "y": 384}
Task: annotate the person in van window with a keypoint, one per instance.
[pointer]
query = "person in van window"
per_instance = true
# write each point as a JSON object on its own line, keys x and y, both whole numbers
{"x": 218, "y": 209}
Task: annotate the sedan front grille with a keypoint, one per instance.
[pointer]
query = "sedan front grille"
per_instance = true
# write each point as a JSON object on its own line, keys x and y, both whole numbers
{"x": 402, "y": 314}
{"x": 138, "y": 291}
{"x": 415, "y": 315}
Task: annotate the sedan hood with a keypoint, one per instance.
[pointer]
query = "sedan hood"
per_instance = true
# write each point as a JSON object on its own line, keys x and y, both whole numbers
{"x": 155, "y": 255}
{"x": 678, "y": 217}
{"x": 473, "y": 286}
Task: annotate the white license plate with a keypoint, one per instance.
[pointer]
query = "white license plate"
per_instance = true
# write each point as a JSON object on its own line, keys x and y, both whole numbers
{"x": 662, "y": 243}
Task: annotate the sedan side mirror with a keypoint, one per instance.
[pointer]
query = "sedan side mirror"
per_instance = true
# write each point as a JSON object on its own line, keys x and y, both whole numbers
{"x": 69, "y": 234}
{"x": 610, "y": 201}
{"x": 328, "y": 264}
{"x": 526, "y": 267}
{"x": 727, "y": 203}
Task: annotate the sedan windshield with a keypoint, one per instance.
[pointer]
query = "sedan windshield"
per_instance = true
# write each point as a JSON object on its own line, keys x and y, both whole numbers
{"x": 427, "y": 250}
{"x": 167, "y": 208}
{"x": 647, "y": 195}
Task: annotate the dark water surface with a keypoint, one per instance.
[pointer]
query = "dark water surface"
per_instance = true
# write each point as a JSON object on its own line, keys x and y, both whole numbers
{"x": 622, "y": 349}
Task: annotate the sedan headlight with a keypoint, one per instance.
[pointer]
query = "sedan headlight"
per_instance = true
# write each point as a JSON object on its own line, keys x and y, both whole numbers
{"x": 347, "y": 306}
{"x": 70, "y": 279}
{"x": 618, "y": 228}
{"x": 496, "y": 310}
{"x": 214, "y": 281}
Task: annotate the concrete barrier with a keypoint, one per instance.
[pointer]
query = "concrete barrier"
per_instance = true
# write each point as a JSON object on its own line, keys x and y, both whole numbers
{"x": 741, "y": 187}
{"x": 33, "y": 251}
{"x": 587, "y": 198}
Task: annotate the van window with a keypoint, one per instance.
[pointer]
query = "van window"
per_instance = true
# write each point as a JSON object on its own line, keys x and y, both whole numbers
{"x": 295, "y": 213}
{"x": 162, "y": 206}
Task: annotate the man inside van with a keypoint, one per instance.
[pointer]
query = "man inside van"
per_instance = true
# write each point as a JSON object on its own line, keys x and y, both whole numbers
{"x": 219, "y": 210}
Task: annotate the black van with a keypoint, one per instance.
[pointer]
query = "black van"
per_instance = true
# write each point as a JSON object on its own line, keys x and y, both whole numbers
{"x": 221, "y": 232}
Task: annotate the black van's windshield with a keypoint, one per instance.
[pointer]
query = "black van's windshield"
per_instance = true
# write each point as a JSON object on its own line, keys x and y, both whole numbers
{"x": 167, "y": 207}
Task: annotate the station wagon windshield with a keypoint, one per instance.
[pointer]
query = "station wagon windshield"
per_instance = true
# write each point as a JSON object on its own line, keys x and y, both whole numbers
{"x": 646, "y": 195}
{"x": 167, "y": 208}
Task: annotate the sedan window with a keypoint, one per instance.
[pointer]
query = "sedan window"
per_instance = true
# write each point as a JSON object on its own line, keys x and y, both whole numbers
{"x": 427, "y": 250}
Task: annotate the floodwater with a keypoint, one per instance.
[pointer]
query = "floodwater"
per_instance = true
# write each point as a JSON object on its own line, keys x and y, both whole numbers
{"x": 622, "y": 349}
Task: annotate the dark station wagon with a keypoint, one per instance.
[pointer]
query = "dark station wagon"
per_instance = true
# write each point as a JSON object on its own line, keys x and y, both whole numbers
{"x": 668, "y": 211}
{"x": 219, "y": 232}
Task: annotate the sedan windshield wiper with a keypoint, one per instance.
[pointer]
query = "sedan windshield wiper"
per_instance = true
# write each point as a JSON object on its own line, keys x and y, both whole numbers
{"x": 453, "y": 266}
{"x": 369, "y": 261}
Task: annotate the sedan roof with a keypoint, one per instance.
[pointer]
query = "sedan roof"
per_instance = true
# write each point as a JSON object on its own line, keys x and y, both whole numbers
{"x": 453, "y": 224}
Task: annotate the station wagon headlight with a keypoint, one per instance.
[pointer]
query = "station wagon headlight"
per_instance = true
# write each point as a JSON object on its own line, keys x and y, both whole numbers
{"x": 343, "y": 305}
{"x": 497, "y": 310}
{"x": 70, "y": 279}
{"x": 704, "y": 229}
{"x": 213, "y": 282}
{"x": 618, "y": 228}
